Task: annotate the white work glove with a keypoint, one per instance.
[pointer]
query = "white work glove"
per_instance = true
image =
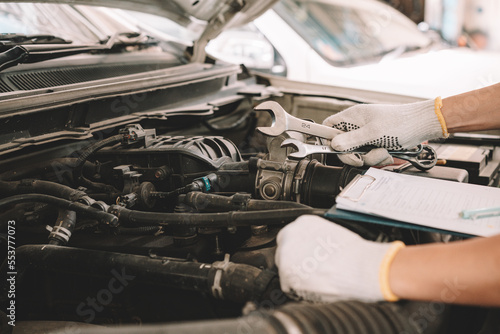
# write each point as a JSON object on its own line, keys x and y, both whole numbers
{"x": 392, "y": 127}
{"x": 374, "y": 157}
{"x": 321, "y": 261}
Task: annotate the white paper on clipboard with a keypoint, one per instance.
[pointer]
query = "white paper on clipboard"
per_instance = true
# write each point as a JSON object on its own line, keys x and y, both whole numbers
{"x": 423, "y": 201}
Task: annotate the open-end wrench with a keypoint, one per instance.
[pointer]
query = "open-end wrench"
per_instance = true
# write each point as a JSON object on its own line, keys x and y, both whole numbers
{"x": 423, "y": 157}
{"x": 283, "y": 121}
{"x": 303, "y": 149}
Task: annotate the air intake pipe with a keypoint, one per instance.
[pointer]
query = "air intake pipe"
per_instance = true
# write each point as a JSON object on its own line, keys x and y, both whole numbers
{"x": 346, "y": 317}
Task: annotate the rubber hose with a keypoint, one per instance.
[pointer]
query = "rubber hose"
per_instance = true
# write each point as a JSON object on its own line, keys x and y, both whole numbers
{"x": 143, "y": 230}
{"x": 89, "y": 150}
{"x": 40, "y": 187}
{"x": 224, "y": 280}
{"x": 83, "y": 209}
{"x": 344, "y": 317}
{"x": 216, "y": 203}
{"x": 56, "y": 166}
{"x": 63, "y": 228}
{"x": 224, "y": 219}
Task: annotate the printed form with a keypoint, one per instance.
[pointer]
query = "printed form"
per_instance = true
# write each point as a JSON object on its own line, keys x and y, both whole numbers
{"x": 423, "y": 201}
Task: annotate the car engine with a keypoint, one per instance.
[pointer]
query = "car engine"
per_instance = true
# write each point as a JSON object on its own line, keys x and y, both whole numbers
{"x": 168, "y": 223}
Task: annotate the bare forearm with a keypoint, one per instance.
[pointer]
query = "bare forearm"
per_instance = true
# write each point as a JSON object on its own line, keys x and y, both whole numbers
{"x": 463, "y": 272}
{"x": 473, "y": 111}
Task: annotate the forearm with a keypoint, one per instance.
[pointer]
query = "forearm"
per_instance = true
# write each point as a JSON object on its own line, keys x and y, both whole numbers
{"x": 473, "y": 111}
{"x": 464, "y": 272}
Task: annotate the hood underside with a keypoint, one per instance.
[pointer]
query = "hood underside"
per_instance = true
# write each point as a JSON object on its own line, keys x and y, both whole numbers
{"x": 181, "y": 11}
{"x": 217, "y": 14}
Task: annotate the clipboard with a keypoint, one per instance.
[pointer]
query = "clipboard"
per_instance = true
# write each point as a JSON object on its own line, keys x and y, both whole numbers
{"x": 336, "y": 214}
{"x": 414, "y": 202}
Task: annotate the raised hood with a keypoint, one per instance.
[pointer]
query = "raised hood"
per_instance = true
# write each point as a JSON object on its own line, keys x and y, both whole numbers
{"x": 214, "y": 15}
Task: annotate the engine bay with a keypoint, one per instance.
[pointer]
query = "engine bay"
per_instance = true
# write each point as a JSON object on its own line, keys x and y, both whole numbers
{"x": 169, "y": 219}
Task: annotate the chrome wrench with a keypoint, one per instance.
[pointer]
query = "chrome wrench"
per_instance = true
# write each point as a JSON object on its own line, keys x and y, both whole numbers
{"x": 283, "y": 121}
{"x": 423, "y": 157}
{"x": 303, "y": 149}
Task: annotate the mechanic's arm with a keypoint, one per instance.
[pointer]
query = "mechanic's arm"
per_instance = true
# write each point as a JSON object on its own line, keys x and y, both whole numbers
{"x": 473, "y": 111}
{"x": 403, "y": 126}
{"x": 464, "y": 272}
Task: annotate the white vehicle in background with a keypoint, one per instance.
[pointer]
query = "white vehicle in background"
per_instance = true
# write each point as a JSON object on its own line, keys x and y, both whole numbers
{"x": 363, "y": 44}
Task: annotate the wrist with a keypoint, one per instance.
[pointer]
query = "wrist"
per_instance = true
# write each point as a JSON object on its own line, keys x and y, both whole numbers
{"x": 372, "y": 270}
{"x": 384, "y": 271}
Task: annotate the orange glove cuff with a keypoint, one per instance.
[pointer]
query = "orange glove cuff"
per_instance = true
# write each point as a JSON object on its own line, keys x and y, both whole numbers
{"x": 384, "y": 271}
{"x": 438, "y": 104}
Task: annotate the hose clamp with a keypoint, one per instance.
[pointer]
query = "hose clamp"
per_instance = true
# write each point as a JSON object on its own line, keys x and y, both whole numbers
{"x": 220, "y": 266}
{"x": 59, "y": 231}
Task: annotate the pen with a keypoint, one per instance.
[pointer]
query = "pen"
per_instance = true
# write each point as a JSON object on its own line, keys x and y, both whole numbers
{"x": 480, "y": 213}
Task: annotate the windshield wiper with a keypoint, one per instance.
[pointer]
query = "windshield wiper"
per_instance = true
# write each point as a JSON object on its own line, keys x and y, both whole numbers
{"x": 398, "y": 50}
{"x": 130, "y": 39}
{"x": 21, "y": 39}
{"x": 34, "y": 53}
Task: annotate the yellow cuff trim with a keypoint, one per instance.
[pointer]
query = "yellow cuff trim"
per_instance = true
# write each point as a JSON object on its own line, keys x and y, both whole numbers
{"x": 438, "y": 104}
{"x": 384, "y": 271}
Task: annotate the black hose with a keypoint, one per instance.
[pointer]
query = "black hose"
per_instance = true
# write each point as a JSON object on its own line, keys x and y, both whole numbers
{"x": 344, "y": 317}
{"x": 233, "y": 126}
{"x": 83, "y": 209}
{"x": 223, "y": 280}
{"x": 88, "y": 151}
{"x": 63, "y": 228}
{"x": 348, "y": 317}
{"x": 97, "y": 186}
{"x": 143, "y": 230}
{"x": 223, "y": 219}
{"x": 57, "y": 166}
{"x": 40, "y": 187}
{"x": 216, "y": 203}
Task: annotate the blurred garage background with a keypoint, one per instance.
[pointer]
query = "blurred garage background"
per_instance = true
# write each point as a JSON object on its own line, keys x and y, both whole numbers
{"x": 473, "y": 22}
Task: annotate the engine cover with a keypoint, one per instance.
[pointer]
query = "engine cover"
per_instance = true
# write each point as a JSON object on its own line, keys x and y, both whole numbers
{"x": 170, "y": 161}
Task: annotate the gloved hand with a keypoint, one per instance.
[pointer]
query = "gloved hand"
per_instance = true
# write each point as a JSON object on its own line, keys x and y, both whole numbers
{"x": 393, "y": 127}
{"x": 321, "y": 261}
{"x": 375, "y": 157}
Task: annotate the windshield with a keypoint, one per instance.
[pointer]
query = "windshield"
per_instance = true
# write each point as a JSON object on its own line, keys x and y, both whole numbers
{"x": 346, "y": 32}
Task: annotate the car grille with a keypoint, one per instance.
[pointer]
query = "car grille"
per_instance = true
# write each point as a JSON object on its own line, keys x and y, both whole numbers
{"x": 4, "y": 87}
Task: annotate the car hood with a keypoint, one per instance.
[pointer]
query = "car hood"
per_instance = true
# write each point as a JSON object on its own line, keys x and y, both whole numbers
{"x": 443, "y": 72}
{"x": 215, "y": 15}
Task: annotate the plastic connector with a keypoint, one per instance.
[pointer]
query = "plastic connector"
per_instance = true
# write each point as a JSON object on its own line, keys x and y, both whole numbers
{"x": 134, "y": 133}
{"x": 205, "y": 183}
{"x": 128, "y": 200}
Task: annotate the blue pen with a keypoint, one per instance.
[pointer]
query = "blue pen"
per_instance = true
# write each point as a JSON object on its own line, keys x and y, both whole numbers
{"x": 480, "y": 213}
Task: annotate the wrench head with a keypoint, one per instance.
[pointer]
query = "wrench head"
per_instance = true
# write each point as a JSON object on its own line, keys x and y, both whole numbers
{"x": 278, "y": 115}
{"x": 297, "y": 145}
